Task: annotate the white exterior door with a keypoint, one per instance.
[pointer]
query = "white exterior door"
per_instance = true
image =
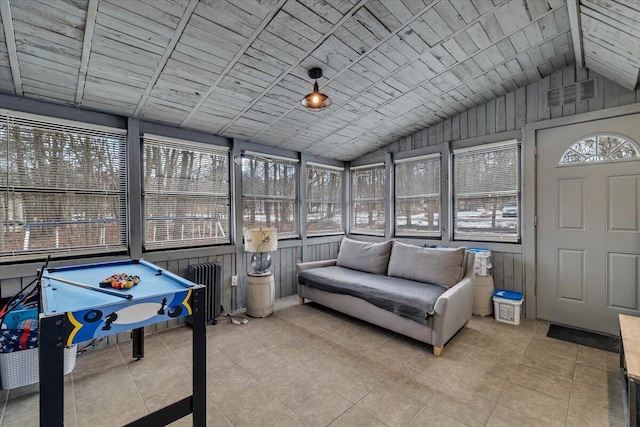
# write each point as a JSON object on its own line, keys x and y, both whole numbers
{"x": 588, "y": 223}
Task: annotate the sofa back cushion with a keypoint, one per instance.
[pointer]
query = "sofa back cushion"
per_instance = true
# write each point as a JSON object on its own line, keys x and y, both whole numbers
{"x": 444, "y": 267}
{"x": 364, "y": 256}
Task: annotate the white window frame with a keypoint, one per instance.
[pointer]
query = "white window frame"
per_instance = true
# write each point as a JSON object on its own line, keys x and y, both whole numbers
{"x": 310, "y": 167}
{"x": 198, "y": 228}
{"x": 459, "y": 235}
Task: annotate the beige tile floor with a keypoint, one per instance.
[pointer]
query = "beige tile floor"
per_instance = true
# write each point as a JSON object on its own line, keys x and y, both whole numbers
{"x": 308, "y": 366}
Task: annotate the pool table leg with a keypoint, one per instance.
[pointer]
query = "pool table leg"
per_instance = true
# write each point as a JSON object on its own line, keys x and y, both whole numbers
{"x": 51, "y": 369}
{"x": 199, "y": 396}
{"x": 138, "y": 343}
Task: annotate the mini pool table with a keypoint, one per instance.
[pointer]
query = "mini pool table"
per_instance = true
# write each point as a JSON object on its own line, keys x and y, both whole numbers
{"x": 72, "y": 313}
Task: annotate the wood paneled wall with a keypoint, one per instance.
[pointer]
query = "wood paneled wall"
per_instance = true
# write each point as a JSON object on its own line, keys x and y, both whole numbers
{"x": 11, "y": 286}
{"x": 512, "y": 112}
{"x": 283, "y": 265}
{"x": 508, "y": 271}
{"x": 516, "y": 109}
{"x": 227, "y": 261}
{"x": 322, "y": 251}
{"x": 171, "y": 261}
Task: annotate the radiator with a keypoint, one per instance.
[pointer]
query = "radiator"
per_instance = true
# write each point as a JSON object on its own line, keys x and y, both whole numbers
{"x": 209, "y": 275}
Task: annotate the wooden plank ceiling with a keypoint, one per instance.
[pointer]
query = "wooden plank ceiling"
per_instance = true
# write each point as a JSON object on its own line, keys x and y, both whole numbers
{"x": 238, "y": 68}
{"x": 611, "y": 39}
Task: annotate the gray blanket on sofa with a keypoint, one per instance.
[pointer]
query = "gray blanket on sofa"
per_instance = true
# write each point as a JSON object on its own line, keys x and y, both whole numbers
{"x": 407, "y": 298}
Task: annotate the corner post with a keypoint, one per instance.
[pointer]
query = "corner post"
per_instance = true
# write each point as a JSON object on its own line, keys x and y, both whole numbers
{"x": 135, "y": 222}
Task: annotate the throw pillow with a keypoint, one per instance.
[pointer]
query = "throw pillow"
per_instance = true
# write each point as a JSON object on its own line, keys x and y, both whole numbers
{"x": 364, "y": 256}
{"x": 444, "y": 267}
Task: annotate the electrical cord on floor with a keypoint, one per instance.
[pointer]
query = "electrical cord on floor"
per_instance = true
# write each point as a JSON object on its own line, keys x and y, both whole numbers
{"x": 91, "y": 345}
{"x": 236, "y": 320}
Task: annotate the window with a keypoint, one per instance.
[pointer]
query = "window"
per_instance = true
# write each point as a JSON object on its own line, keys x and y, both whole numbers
{"x": 62, "y": 187}
{"x": 325, "y": 199}
{"x": 367, "y": 194}
{"x": 486, "y": 188}
{"x": 600, "y": 148}
{"x": 417, "y": 183}
{"x": 269, "y": 197}
{"x": 186, "y": 193}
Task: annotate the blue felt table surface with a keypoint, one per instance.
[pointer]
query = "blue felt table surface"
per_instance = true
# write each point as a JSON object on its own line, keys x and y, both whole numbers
{"x": 61, "y": 297}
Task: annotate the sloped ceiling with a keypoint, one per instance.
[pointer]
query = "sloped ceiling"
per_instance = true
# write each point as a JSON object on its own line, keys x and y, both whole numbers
{"x": 238, "y": 68}
{"x": 610, "y": 38}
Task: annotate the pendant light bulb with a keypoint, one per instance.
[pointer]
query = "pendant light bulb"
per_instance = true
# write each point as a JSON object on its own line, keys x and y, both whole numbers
{"x": 315, "y": 100}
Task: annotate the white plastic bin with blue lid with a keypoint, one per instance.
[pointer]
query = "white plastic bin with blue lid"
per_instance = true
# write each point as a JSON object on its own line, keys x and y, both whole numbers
{"x": 507, "y": 306}
{"x": 483, "y": 261}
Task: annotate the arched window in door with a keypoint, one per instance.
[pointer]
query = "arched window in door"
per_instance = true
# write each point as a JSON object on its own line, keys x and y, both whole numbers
{"x": 601, "y": 148}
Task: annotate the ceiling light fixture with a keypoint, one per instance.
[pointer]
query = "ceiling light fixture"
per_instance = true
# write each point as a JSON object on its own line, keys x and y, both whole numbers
{"x": 316, "y": 100}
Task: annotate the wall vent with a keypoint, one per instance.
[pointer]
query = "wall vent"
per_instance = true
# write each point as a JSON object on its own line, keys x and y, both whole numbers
{"x": 580, "y": 91}
{"x": 588, "y": 89}
{"x": 569, "y": 94}
{"x": 553, "y": 97}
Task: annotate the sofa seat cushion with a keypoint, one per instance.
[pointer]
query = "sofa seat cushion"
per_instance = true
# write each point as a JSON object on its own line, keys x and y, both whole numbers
{"x": 364, "y": 256}
{"x": 407, "y": 298}
{"x": 444, "y": 267}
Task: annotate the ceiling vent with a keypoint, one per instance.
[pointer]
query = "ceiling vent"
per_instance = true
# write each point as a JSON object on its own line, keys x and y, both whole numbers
{"x": 580, "y": 91}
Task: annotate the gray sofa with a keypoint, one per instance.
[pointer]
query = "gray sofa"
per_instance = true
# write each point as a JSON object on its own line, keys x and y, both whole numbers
{"x": 423, "y": 293}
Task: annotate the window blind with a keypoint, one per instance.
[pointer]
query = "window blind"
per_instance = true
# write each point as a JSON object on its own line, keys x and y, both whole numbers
{"x": 367, "y": 194}
{"x": 417, "y": 192}
{"x": 62, "y": 187}
{"x": 486, "y": 187}
{"x": 269, "y": 195}
{"x": 186, "y": 193}
{"x": 325, "y": 199}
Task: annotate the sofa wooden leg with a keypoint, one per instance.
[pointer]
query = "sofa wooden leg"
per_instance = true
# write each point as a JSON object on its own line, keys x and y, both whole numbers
{"x": 437, "y": 351}
{"x": 300, "y": 300}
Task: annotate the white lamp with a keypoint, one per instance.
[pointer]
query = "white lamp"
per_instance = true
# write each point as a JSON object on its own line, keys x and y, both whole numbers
{"x": 261, "y": 241}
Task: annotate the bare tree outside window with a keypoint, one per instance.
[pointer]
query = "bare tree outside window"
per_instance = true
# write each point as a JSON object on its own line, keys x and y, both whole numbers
{"x": 486, "y": 182}
{"x": 186, "y": 193}
{"x": 367, "y": 205}
{"x": 417, "y": 185}
{"x": 269, "y": 197}
{"x": 600, "y": 148}
{"x": 325, "y": 200}
{"x": 62, "y": 187}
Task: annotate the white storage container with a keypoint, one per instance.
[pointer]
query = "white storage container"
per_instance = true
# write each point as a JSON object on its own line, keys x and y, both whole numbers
{"x": 483, "y": 261}
{"x": 507, "y": 306}
{"x": 20, "y": 368}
